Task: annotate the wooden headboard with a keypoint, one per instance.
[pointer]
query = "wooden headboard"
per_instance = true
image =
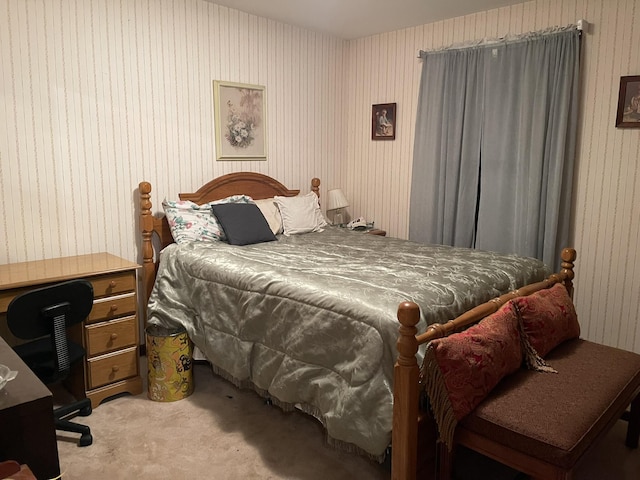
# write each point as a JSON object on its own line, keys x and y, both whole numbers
{"x": 256, "y": 185}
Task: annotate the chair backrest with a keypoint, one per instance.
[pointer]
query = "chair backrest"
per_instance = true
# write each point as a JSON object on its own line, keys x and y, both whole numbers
{"x": 48, "y": 311}
{"x": 29, "y": 314}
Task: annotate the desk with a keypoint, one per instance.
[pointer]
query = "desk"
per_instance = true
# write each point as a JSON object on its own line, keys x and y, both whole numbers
{"x": 109, "y": 335}
{"x": 26, "y": 419}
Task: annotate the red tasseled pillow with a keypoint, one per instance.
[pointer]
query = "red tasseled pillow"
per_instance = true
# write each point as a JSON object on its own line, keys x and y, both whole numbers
{"x": 548, "y": 318}
{"x": 460, "y": 370}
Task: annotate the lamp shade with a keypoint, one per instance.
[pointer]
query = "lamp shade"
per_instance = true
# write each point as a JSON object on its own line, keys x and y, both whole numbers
{"x": 336, "y": 199}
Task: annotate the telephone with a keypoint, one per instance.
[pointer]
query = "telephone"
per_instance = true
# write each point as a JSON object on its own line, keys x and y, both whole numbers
{"x": 357, "y": 224}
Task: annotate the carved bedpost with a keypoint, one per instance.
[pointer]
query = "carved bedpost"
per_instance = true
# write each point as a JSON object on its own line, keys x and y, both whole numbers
{"x": 404, "y": 443}
{"x": 568, "y": 256}
{"x": 315, "y": 186}
{"x": 146, "y": 226}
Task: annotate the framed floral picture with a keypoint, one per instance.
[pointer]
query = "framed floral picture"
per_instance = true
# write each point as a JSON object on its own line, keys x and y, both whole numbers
{"x": 628, "y": 113}
{"x": 240, "y": 121}
{"x": 383, "y": 121}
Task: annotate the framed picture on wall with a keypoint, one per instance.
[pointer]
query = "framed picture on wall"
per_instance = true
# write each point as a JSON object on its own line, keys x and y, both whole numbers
{"x": 383, "y": 121}
{"x": 628, "y": 114}
{"x": 240, "y": 121}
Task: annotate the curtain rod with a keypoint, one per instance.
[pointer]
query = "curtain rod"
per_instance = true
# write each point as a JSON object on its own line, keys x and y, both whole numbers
{"x": 581, "y": 25}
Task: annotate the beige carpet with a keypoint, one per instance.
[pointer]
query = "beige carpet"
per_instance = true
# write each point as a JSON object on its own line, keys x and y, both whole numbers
{"x": 221, "y": 432}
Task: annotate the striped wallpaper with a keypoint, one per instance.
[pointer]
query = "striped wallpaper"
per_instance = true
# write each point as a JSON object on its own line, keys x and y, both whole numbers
{"x": 98, "y": 95}
{"x": 606, "y": 225}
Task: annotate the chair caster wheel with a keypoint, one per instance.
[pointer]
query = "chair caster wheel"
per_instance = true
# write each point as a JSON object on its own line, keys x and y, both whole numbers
{"x": 85, "y": 411}
{"x": 85, "y": 440}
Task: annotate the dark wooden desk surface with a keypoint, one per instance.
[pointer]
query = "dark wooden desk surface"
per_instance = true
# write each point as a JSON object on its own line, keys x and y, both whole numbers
{"x": 26, "y": 419}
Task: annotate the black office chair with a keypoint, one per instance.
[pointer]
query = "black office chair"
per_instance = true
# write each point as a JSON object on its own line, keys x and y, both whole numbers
{"x": 43, "y": 315}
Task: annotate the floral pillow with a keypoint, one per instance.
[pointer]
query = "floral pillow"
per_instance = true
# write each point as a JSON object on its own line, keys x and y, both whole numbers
{"x": 190, "y": 222}
{"x": 548, "y": 318}
{"x": 460, "y": 370}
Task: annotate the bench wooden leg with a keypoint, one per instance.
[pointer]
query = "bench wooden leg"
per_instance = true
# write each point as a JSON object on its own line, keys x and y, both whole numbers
{"x": 561, "y": 475}
{"x": 445, "y": 461}
{"x": 633, "y": 429}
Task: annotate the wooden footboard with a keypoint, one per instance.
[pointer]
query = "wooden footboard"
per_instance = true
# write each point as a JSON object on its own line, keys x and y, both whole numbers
{"x": 156, "y": 229}
{"x": 405, "y": 458}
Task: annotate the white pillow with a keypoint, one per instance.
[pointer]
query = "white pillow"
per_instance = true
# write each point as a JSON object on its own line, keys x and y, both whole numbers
{"x": 300, "y": 214}
{"x": 270, "y": 211}
{"x": 190, "y": 222}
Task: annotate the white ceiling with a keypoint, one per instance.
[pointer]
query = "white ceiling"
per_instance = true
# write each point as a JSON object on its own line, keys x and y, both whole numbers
{"x": 351, "y": 19}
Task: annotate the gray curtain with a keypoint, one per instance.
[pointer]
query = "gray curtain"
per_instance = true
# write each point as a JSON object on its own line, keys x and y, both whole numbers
{"x": 495, "y": 145}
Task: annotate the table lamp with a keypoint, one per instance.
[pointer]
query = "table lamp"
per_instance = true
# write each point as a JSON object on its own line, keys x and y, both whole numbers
{"x": 336, "y": 201}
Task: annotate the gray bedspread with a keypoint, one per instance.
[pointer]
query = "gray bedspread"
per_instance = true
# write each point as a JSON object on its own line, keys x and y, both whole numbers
{"x": 311, "y": 319}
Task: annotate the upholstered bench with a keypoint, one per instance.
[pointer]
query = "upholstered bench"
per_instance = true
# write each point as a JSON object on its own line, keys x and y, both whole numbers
{"x": 540, "y": 418}
{"x": 543, "y": 423}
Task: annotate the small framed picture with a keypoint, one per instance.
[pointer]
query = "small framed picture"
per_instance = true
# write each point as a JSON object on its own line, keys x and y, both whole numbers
{"x": 240, "y": 121}
{"x": 383, "y": 121}
{"x": 628, "y": 114}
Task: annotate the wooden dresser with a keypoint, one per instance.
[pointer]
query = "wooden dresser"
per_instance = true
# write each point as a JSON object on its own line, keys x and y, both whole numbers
{"x": 110, "y": 334}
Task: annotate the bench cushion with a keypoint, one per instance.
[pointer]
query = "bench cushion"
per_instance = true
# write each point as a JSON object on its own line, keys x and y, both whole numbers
{"x": 555, "y": 417}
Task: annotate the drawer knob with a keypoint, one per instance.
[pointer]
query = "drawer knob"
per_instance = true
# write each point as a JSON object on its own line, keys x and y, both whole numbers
{"x": 113, "y": 284}
{"x": 114, "y": 307}
{"x": 115, "y": 368}
{"x": 114, "y": 336}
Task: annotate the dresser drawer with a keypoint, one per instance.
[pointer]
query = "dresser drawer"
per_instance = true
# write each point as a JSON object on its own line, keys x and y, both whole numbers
{"x": 103, "y": 285}
{"x": 112, "y": 335}
{"x": 112, "y": 307}
{"x": 113, "y": 284}
{"x": 112, "y": 367}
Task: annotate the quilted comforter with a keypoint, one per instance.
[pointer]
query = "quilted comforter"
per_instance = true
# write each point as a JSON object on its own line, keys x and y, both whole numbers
{"x": 310, "y": 320}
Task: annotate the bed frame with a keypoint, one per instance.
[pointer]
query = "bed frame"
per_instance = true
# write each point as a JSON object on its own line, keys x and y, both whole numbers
{"x": 413, "y": 429}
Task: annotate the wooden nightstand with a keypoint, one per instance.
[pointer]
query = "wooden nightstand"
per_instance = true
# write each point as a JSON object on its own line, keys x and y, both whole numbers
{"x": 376, "y": 231}
{"x": 110, "y": 335}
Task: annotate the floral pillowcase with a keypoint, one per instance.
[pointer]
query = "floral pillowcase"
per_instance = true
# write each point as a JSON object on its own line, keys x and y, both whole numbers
{"x": 190, "y": 222}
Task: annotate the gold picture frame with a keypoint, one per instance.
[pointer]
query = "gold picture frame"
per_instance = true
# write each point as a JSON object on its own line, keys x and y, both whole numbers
{"x": 240, "y": 121}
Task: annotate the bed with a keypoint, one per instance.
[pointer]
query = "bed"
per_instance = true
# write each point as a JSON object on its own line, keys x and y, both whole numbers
{"x": 310, "y": 320}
